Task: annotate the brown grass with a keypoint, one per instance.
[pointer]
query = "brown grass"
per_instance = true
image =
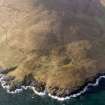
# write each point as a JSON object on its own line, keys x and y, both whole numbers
{"x": 60, "y": 47}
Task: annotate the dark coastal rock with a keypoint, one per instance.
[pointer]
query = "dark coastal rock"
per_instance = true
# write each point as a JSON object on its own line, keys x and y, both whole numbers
{"x": 62, "y": 92}
{"x": 28, "y": 80}
{"x": 15, "y": 85}
{"x": 12, "y": 86}
{"x": 39, "y": 86}
{"x": 56, "y": 91}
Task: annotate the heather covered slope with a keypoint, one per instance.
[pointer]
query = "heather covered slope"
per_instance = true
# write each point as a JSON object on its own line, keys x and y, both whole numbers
{"x": 60, "y": 43}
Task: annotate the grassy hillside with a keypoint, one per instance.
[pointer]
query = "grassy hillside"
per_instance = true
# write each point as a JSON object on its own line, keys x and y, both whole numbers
{"x": 60, "y": 43}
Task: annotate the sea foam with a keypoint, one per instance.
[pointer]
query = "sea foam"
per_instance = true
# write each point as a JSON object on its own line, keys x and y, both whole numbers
{"x": 7, "y": 87}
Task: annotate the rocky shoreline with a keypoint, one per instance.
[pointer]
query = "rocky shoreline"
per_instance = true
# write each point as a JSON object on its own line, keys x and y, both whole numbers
{"x": 68, "y": 92}
{"x": 40, "y": 87}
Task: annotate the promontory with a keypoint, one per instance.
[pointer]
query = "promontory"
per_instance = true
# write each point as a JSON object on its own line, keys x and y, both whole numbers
{"x": 57, "y": 45}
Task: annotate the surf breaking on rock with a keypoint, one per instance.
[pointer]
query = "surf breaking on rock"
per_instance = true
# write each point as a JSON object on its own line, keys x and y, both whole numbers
{"x": 19, "y": 90}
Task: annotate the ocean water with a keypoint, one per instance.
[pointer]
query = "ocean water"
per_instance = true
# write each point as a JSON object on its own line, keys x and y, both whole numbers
{"x": 94, "y": 96}
{"x": 29, "y": 98}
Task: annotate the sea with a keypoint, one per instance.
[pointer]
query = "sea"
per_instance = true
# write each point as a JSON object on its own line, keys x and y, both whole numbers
{"x": 94, "y": 95}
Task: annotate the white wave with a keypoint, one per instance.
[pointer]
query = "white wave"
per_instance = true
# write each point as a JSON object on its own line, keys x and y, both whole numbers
{"x": 15, "y": 91}
{"x": 38, "y": 93}
{"x": 34, "y": 90}
{"x": 79, "y": 93}
{"x": 7, "y": 87}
